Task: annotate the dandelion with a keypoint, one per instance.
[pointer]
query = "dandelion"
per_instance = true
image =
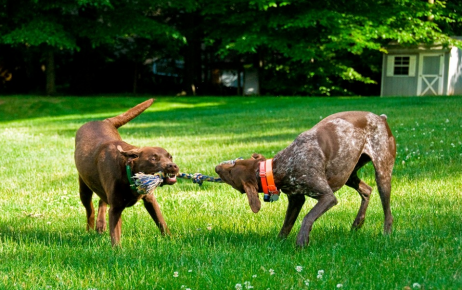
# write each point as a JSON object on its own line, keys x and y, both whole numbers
{"x": 299, "y": 268}
{"x": 175, "y": 274}
{"x": 238, "y": 286}
{"x": 271, "y": 271}
{"x": 416, "y": 286}
{"x": 339, "y": 285}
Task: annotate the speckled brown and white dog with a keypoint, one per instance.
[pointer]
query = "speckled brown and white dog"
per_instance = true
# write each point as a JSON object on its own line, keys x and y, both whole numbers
{"x": 101, "y": 158}
{"x": 318, "y": 163}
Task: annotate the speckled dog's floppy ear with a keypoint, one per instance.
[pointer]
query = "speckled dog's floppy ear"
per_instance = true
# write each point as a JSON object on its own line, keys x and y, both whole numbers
{"x": 258, "y": 156}
{"x": 252, "y": 194}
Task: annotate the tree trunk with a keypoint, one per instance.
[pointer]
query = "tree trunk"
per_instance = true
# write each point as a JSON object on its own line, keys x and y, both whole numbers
{"x": 192, "y": 55}
{"x": 50, "y": 72}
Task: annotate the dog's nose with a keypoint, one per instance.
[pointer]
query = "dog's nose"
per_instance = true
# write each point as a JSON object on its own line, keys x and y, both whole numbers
{"x": 172, "y": 167}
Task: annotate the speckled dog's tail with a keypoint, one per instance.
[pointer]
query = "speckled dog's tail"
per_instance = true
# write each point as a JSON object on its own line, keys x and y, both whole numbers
{"x": 129, "y": 115}
{"x": 383, "y": 116}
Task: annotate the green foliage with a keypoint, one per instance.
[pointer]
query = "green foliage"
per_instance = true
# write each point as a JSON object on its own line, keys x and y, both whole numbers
{"x": 300, "y": 47}
{"x": 327, "y": 34}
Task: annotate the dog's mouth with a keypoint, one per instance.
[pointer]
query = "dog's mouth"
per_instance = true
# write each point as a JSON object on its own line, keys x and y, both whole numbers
{"x": 169, "y": 178}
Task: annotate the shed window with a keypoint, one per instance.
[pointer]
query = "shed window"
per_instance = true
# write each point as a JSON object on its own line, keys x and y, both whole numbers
{"x": 401, "y": 65}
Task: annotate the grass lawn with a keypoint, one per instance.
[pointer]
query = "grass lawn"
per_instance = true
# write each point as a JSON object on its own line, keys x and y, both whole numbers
{"x": 217, "y": 242}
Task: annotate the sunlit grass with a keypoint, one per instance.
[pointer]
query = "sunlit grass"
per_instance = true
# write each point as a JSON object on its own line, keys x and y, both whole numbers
{"x": 217, "y": 242}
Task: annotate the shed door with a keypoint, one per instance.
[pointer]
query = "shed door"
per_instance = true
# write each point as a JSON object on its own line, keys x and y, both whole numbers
{"x": 430, "y": 81}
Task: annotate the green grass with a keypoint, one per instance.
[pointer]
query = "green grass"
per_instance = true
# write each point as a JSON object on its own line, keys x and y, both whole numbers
{"x": 217, "y": 242}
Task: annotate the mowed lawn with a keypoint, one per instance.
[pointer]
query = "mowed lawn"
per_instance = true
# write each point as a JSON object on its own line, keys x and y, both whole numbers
{"x": 217, "y": 242}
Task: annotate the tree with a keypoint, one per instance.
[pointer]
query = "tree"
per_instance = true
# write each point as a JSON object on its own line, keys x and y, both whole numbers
{"x": 319, "y": 47}
{"x": 50, "y": 26}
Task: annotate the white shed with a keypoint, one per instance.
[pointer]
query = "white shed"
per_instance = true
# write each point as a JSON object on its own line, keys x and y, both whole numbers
{"x": 424, "y": 70}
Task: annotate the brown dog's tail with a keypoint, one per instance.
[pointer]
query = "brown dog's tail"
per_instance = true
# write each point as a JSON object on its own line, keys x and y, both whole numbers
{"x": 129, "y": 115}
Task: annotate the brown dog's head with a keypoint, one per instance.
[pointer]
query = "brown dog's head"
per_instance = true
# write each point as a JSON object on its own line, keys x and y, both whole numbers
{"x": 242, "y": 175}
{"x": 150, "y": 160}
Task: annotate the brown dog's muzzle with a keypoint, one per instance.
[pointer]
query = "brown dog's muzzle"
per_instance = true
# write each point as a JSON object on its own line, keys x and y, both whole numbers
{"x": 170, "y": 172}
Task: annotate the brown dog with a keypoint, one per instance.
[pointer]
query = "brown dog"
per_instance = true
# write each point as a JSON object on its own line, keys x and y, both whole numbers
{"x": 318, "y": 163}
{"x": 102, "y": 157}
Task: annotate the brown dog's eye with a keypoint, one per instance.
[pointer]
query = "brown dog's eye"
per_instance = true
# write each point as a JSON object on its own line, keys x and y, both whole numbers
{"x": 155, "y": 157}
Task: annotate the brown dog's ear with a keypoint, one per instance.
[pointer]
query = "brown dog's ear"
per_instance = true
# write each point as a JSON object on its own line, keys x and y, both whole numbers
{"x": 130, "y": 154}
{"x": 252, "y": 194}
{"x": 258, "y": 156}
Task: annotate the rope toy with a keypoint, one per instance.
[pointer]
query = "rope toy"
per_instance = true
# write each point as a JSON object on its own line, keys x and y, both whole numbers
{"x": 199, "y": 178}
{"x": 147, "y": 183}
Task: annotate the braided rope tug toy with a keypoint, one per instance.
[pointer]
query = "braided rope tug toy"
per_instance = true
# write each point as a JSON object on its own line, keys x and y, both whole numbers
{"x": 147, "y": 183}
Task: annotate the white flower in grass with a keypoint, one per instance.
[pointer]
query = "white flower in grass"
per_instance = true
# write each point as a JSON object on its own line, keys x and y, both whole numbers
{"x": 238, "y": 286}
{"x": 299, "y": 268}
{"x": 190, "y": 271}
{"x": 247, "y": 285}
{"x": 271, "y": 271}
{"x": 416, "y": 286}
{"x": 321, "y": 272}
{"x": 339, "y": 285}
{"x": 254, "y": 276}
{"x": 175, "y": 274}
{"x": 307, "y": 282}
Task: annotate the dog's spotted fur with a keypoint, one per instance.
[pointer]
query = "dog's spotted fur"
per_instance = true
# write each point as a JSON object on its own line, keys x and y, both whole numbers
{"x": 318, "y": 163}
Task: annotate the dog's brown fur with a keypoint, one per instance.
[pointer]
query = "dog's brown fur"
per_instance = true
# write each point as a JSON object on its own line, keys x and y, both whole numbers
{"x": 101, "y": 158}
{"x": 318, "y": 163}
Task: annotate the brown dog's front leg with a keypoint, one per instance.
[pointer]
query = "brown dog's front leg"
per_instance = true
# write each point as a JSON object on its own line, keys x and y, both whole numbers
{"x": 325, "y": 202}
{"x": 296, "y": 203}
{"x": 115, "y": 225}
{"x": 151, "y": 205}
{"x": 101, "y": 219}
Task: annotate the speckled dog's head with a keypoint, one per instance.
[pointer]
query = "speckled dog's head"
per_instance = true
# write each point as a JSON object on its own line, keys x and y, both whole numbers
{"x": 242, "y": 176}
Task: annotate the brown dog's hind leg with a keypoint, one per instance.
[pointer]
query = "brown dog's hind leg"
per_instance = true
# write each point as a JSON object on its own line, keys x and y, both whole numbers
{"x": 86, "y": 195}
{"x": 296, "y": 202}
{"x": 151, "y": 205}
{"x": 326, "y": 200}
{"x": 101, "y": 219}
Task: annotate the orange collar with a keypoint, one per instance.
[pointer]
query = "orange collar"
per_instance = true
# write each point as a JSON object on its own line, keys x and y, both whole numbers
{"x": 267, "y": 181}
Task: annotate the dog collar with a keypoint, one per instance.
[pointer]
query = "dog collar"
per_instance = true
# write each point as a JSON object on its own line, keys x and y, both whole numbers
{"x": 130, "y": 179}
{"x": 267, "y": 181}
